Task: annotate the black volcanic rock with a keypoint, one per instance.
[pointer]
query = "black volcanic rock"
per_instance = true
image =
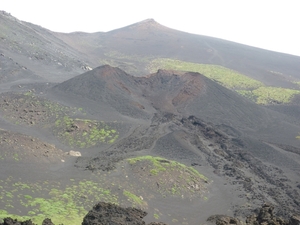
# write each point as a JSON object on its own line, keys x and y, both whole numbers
{"x": 111, "y": 214}
{"x": 47, "y": 222}
{"x": 265, "y": 216}
{"x": 224, "y": 220}
{"x": 10, "y": 221}
{"x": 294, "y": 220}
{"x": 107, "y": 213}
{"x": 101, "y": 214}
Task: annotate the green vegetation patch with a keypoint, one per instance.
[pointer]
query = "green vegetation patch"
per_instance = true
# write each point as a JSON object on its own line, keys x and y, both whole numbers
{"x": 168, "y": 177}
{"x": 297, "y": 82}
{"x": 156, "y": 216}
{"x": 63, "y": 203}
{"x": 247, "y": 87}
{"x": 32, "y": 110}
{"x": 163, "y": 165}
{"x": 226, "y": 77}
{"x": 270, "y": 95}
{"x": 84, "y": 133}
{"x": 135, "y": 200}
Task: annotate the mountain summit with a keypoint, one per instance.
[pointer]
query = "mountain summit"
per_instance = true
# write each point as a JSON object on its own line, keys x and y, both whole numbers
{"x": 147, "y": 23}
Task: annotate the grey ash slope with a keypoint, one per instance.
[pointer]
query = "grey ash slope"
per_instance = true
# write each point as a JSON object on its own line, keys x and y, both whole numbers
{"x": 181, "y": 94}
{"x": 131, "y": 47}
{"x": 248, "y": 151}
{"x": 107, "y": 86}
{"x": 59, "y": 56}
{"x": 189, "y": 118}
{"x": 37, "y": 51}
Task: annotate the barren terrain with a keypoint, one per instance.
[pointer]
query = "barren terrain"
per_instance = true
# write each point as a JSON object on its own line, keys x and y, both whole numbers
{"x": 180, "y": 145}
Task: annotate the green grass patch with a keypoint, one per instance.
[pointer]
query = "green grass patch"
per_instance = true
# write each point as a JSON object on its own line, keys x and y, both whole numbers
{"x": 84, "y": 133}
{"x": 246, "y": 86}
{"x": 157, "y": 163}
{"x": 137, "y": 201}
{"x": 63, "y": 203}
{"x": 226, "y": 77}
{"x": 156, "y": 216}
{"x": 34, "y": 110}
{"x": 270, "y": 95}
{"x": 168, "y": 177}
{"x": 29, "y": 93}
{"x": 297, "y": 82}
{"x": 163, "y": 165}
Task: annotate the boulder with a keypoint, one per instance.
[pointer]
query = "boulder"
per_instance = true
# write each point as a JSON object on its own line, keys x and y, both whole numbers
{"x": 294, "y": 220}
{"x": 10, "y": 221}
{"x": 265, "y": 216}
{"x": 265, "y": 213}
{"x": 107, "y": 213}
{"x": 47, "y": 222}
{"x": 224, "y": 220}
{"x": 74, "y": 153}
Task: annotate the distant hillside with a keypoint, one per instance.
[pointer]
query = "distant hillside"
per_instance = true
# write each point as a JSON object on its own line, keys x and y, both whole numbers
{"x": 176, "y": 92}
{"x": 133, "y": 47}
{"x": 60, "y": 56}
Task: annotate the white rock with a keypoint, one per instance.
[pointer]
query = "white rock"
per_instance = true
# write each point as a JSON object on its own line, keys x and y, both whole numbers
{"x": 74, "y": 153}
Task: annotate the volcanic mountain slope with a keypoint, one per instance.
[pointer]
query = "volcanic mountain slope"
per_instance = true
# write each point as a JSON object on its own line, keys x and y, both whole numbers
{"x": 16, "y": 146}
{"x": 12, "y": 71}
{"x": 178, "y": 93}
{"x": 183, "y": 128}
{"x": 59, "y": 56}
{"x": 30, "y": 52}
{"x": 107, "y": 86}
{"x": 133, "y": 47}
{"x": 36, "y": 52}
{"x": 137, "y": 47}
{"x": 156, "y": 133}
{"x": 182, "y": 139}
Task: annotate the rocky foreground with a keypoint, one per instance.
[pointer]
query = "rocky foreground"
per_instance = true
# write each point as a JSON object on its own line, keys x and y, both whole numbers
{"x": 111, "y": 214}
{"x": 265, "y": 216}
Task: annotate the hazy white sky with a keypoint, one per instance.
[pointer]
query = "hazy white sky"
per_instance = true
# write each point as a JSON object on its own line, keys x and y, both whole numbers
{"x": 272, "y": 25}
